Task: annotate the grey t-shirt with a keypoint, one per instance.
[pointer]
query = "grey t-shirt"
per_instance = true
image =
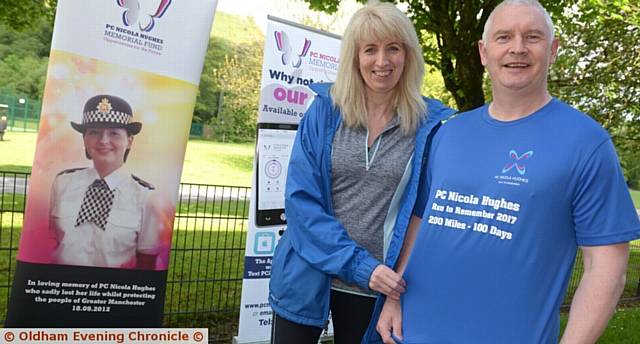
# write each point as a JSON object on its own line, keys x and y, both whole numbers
{"x": 361, "y": 198}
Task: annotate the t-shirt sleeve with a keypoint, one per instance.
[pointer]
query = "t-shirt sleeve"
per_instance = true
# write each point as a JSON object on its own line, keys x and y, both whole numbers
{"x": 603, "y": 212}
{"x": 150, "y": 226}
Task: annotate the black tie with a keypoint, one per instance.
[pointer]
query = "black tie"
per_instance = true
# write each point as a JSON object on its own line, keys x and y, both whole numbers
{"x": 96, "y": 204}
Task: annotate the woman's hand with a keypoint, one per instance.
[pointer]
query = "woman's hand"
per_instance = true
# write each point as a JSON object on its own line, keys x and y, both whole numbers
{"x": 386, "y": 281}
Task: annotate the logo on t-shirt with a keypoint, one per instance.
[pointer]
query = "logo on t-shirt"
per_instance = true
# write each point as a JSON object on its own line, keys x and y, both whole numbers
{"x": 517, "y": 162}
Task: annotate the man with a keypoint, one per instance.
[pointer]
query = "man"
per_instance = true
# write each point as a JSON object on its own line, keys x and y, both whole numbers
{"x": 103, "y": 215}
{"x": 513, "y": 189}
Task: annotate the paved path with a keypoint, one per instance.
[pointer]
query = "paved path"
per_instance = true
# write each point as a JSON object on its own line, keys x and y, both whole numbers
{"x": 11, "y": 184}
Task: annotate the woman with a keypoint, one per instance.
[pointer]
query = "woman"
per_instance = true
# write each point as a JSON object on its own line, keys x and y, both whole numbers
{"x": 102, "y": 215}
{"x": 353, "y": 171}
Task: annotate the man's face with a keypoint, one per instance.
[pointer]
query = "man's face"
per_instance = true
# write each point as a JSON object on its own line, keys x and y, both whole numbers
{"x": 106, "y": 146}
{"x": 518, "y": 51}
{"x": 381, "y": 64}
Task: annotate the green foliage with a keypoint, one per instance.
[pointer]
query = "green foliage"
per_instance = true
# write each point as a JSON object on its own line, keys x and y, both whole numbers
{"x": 230, "y": 84}
{"x": 24, "y": 58}
{"x": 234, "y": 53}
{"x": 230, "y": 35}
{"x": 449, "y": 32}
{"x": 596, "y": 69}
{"x": 239, "y": 79}
{"x": 20, "y": 15}
{"x": 235, "y": 29}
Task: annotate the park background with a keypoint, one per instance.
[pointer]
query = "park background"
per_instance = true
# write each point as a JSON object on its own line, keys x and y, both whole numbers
{"x": 597, "y": 71}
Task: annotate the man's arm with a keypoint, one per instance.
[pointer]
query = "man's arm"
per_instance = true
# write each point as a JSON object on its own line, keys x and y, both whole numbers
{"x": 598, "y": 292}
{"x": 390, "y": 320}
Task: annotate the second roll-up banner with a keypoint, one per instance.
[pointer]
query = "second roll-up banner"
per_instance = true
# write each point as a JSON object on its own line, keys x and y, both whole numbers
{"x": 294, "y": 57}
{"x": 120, "y": 91}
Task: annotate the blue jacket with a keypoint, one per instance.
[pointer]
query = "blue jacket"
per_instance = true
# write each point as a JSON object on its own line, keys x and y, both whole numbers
{"x": 316, "y": 247}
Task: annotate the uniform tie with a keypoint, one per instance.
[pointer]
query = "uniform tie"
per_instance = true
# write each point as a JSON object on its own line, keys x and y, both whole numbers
{"x": 96, "y": 204}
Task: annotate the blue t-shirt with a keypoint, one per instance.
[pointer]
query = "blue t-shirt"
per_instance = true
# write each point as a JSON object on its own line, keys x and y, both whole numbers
{"x": 508, "y": 204}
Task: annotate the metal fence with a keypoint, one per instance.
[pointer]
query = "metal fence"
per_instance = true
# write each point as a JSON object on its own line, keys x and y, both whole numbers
{"x": 23, "y": 114}
{"x": 204, "y": 280}
{"x": 207, "y": 256}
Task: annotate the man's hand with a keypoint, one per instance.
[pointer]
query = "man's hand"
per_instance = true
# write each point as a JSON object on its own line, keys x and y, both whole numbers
{"x": 390, "y": 321}
{"x": 386, "y": 281}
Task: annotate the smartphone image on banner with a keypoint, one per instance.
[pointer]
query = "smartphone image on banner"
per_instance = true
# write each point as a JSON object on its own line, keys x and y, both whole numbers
{"x": 273, "y": 149}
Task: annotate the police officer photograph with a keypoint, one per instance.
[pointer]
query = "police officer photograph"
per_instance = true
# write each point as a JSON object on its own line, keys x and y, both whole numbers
{"x": 103, "y": 215}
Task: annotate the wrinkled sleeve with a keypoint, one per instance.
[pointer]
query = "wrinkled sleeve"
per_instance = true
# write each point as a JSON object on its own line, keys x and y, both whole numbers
{"x": 53, "y": 202}
{"x": 150, "y": 227}
{"x": 315, "y": 234}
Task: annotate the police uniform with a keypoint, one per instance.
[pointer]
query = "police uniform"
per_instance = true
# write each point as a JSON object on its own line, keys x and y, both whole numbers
{"x": 103, "y": 222}
{"x": 130, "y": 225}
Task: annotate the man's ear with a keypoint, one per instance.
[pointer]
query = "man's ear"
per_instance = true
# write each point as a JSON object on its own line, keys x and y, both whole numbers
{"x": 555, "y": 44}
{"x": 483, "y": 52}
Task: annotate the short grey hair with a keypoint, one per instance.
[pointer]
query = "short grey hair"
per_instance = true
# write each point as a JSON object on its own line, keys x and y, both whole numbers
{"x": 533, "y": 3}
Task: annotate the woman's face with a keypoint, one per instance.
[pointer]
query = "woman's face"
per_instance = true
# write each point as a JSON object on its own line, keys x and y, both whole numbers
{"x": 381, "y": 64}
{"x": 106, "y": 146}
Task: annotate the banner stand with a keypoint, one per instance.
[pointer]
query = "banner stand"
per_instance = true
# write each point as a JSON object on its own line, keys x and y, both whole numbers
{"x": 294, "y": 57}
{"x": 121, "y": 87}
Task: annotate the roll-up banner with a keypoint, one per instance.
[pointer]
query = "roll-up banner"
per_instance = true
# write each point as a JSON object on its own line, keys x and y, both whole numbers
{"x": 120, "y": 91}
{"x": 294, "y": 57}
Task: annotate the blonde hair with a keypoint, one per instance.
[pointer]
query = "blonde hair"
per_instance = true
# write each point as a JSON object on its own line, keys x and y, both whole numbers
{"x": 380, "y": 21}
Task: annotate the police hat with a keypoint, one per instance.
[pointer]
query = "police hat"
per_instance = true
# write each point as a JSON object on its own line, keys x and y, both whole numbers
{"x": 106, "y": 111}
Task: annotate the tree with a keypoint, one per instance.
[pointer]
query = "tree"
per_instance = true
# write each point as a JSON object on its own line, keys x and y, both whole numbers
{"x": 598, "y": 60}
{"x": 237, "y": 79}
{"x": 229, "y": 87}
{"x": 596, "y": 69}
{"x": 21, "y": 15}
{"x": 24, "y": 58}
{"x": 449, "y": 31}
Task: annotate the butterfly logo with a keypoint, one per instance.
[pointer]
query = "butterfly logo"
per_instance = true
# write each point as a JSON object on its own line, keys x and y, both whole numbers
{"x": 282, "y": 42}
{"x": 517, "y": 161}
{"x": 144, "y": 15}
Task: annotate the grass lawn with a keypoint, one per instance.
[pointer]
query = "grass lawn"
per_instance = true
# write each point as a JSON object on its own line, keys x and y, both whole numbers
{"x": 218, "y": 163}
{"x": 17, "y": 151}
{"x": 623, "y": 328}
{"x": 205, "y": 162}
{"x": 635, "y": 195}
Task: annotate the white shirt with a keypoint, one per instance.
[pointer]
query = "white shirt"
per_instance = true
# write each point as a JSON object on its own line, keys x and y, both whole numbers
{"x": 131, "y": 226}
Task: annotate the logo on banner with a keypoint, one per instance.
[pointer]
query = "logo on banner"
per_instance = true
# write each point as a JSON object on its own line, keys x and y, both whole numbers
{"x": 143, "y": 16}
{"x": 284, "y": 46}
{"x": 264, "y": 243}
